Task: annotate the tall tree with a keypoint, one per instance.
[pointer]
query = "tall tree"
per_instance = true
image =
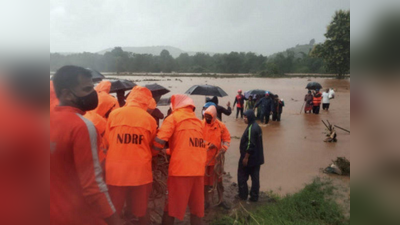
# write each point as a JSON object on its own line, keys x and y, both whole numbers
{"x": 166, "y": 61}
{"x": 336, "y": 49}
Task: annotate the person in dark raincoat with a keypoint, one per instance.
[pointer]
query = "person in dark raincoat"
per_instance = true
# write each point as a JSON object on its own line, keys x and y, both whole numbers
{"x": 266, "y": 105}
{"x": 278, "y": 106}
{"x": 251, "y": 158}
{"x": 221, "y": 109}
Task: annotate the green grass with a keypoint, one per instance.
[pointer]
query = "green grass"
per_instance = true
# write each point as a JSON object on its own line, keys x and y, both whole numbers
{"x": 314, "y": 204}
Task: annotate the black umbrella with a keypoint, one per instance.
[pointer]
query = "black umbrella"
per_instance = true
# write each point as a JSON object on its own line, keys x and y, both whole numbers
{"x": 96, "y": 75}
{"x": 207, "y": 90}
{"x": 157, "y": 90}
{"x": 313, "y": 86}
{"x": 254, "y": 92}
{"x": 121, "y": 85}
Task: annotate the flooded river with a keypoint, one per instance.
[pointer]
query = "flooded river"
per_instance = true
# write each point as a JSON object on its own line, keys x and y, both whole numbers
{"x": 294, "y": 149}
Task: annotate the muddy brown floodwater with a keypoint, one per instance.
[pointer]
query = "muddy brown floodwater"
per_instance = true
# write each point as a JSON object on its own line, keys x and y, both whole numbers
{"x": 294, "y": 149}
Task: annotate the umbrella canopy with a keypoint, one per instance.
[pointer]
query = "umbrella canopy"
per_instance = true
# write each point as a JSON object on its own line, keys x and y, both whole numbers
{"x": 313, "y": 86}
{"x": 156, "y": 89}
{"x": 121, "y": 85}
{"x": 207, "y": 90}
{"x": 254, "y": 92}
{"x": 96, "y": 75}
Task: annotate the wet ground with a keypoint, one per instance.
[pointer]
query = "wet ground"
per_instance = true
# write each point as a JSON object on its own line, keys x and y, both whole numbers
{"x": 294, "y": 149}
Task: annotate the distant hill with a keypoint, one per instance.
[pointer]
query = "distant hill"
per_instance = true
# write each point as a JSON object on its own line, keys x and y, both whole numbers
{"x": 154, "y": 50}
{"x": 298, "y": 50}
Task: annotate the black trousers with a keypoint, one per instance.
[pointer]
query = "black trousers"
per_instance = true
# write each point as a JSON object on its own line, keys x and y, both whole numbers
{"x": 265, "y": 117}
{"x": 316, "y": 109}
{"x": 276, "y": 116}
{"x": 241, "y": 112}
{"x": 325, "y": 106}
{"x": 243, "y": 176}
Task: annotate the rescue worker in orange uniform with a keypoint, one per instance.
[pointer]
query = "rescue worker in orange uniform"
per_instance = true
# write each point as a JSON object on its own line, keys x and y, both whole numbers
{"x": 78, "y": 193}
{"x": 184, "y": 133}
{"x": 107, "y": 103}
{"x": 130, "y": 132}
{"x": 215, "y": 133}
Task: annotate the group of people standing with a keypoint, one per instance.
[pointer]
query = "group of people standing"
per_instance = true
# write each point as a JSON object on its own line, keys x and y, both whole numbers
{"x": 264, "y": 106}
{"x": 313, "y": 100}
{"x": 82, "y": 147}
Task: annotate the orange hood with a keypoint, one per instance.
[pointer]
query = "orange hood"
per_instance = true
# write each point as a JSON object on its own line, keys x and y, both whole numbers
{"x": 139, "y": 96}
{"x": 212, "y": 111}
{"x": 152, "y": 104}
{"x": 181, "y": 101}
{"x": 105, "y": 86}
{"x": 106, "y": 103}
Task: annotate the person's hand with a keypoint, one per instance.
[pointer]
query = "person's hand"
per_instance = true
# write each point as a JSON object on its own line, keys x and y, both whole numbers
{"x": 245, "y": 161}
{"x": 211, "y": 146}
{"x": 229, "y": 105}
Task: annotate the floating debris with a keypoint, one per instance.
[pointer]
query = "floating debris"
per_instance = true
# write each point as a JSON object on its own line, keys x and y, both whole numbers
{"x": 340, "y": 166}
{"x": 331, "y": 136}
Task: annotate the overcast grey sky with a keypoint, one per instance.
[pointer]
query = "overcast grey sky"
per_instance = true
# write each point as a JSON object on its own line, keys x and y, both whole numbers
{"x": 261, "y": 26}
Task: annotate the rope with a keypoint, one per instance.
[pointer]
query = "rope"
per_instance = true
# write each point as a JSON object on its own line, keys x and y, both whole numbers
{"x": 160, "y": 175}
{"x": 217, "y": 173}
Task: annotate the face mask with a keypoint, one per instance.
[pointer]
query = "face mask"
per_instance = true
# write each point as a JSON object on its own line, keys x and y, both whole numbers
{"x": 88, "y": 102}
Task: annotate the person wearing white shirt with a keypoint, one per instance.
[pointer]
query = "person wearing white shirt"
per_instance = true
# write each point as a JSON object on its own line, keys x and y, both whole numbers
{"x": 325, "y": 100}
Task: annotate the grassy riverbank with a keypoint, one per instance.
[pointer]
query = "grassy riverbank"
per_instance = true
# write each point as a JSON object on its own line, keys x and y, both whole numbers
{"x": 315, "y": 204}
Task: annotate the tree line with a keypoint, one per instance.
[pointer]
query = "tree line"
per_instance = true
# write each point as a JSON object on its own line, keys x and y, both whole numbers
{"x": 332, "y": 56}
{"x": 120, "y": 61}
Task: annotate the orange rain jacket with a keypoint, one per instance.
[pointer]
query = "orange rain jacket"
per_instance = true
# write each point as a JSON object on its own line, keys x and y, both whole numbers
{"x": 184, "y": 132}
{"x": 130, "y": 132}
{"x": 53, "y": 97}
{"x": 78, "y": 194}
{"x": 106, "y": 101}
{"x": 100, "y": 123}
{"x": 215, "y": 133}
